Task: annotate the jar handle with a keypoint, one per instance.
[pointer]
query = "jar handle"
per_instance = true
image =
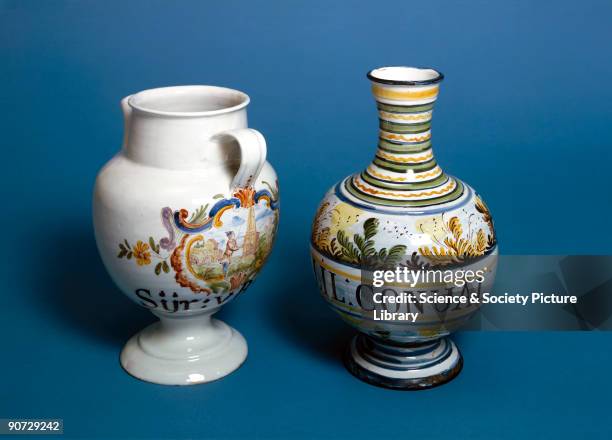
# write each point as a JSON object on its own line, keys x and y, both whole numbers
{"x": 253, "y": 155}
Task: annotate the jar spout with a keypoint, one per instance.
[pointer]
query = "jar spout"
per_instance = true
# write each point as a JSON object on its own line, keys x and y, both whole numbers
{"x": 127, "y": 116}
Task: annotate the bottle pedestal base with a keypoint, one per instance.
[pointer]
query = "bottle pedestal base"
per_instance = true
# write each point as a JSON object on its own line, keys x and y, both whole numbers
{"x": 414, "y": 366}
{"x": 184, "y": 351}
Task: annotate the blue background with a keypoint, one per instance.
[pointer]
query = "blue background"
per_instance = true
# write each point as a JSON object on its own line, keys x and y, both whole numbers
{"x": 524, "y": 116}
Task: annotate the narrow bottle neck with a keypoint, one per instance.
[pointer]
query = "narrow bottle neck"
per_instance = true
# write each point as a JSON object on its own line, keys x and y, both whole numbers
{"x": 404, "y": 171}
{"x": 404, "y": 141}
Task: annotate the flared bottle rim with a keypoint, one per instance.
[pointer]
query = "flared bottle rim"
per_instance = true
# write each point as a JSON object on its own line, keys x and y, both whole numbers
{"x": 405, "y": 75}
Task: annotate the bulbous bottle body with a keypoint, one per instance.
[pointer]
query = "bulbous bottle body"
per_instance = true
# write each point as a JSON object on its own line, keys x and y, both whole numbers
{"x": 350, "y": 239}
{"x": 403, "y": 216}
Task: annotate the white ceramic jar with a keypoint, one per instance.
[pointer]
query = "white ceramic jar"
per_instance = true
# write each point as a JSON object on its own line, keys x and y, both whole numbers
{"x": 185, "y": 216}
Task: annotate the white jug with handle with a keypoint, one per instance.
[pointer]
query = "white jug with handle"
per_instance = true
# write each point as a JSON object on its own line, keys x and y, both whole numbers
{"x": 185, "y": 216}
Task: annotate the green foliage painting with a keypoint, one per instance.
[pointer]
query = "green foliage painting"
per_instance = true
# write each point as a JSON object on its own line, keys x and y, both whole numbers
{"x": 361, "y": 250}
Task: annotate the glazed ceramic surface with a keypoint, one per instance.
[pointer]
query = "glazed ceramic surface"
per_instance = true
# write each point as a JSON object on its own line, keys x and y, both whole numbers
{"x": 402, "y": 211}
{"x": 185, "y": 217}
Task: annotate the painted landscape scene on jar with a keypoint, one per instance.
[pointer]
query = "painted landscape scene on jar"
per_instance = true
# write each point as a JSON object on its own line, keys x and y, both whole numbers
{"x": 213, "y": 250}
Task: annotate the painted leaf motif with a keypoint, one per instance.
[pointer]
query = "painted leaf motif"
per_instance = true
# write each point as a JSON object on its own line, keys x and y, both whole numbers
{"x": 348, "y": 249}
{"x": 481, "y": 241}
{"x": 368, "y": 250}
{"x": 359, "y": 241}
{"x": 152, "y": 244}
{"x": 199, "y": 215}
{"x": 382, "y": 254}
{"x": 396, "y": 253}
{"x": 454, "y": 224}
{"x": 334, "y": 249}
{"x": 370, "y": 228}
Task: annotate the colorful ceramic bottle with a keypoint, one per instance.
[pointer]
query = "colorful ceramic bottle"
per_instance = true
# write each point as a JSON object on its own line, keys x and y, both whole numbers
{"x": 402, "y": 211}
{"x": 185, "y": 217}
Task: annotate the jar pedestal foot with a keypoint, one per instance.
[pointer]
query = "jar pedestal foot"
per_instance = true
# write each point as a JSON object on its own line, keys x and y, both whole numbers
{"x": 408, "y": 366}
{"x": 184, "y": 350}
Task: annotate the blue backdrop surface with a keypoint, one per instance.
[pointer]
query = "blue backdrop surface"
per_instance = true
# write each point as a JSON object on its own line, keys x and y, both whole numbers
{"x": 524, "y": 116}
